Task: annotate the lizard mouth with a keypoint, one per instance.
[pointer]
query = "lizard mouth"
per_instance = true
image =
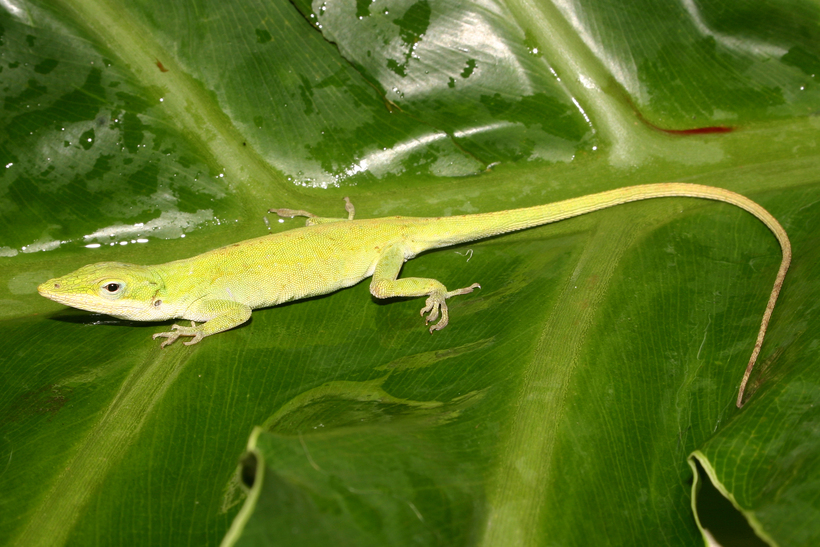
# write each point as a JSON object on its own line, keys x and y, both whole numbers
{"x": 81, "y": 301}
{"x": 47, "y": 290}
{"x": 51, "y": 290}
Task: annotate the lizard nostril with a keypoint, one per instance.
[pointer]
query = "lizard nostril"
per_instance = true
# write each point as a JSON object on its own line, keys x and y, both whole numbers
{"x": 56, "y": 285}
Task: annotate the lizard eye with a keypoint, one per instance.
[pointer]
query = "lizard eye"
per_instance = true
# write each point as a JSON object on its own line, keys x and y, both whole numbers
{"x": 111, "y": 288}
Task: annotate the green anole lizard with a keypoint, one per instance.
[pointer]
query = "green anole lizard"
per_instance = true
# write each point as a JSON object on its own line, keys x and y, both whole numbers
{"x": 219, "y": 288}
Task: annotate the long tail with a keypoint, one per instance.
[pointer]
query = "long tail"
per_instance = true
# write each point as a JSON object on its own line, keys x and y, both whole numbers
{"x": 471, "y": 227}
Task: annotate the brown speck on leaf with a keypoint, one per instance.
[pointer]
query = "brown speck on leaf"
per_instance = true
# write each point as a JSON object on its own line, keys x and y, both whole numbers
{"x": 161, "y": 67}
{"x": 49, "y": 399}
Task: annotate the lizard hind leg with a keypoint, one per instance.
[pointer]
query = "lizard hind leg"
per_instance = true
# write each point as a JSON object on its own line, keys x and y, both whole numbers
{"x": 312, "y": 219}
{"x": 385, "y": 284}
{"x": 290, "y": 213}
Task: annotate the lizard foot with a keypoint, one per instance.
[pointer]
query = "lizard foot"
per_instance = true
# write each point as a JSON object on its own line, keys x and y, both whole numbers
{"x": 176, "y": 332}
{"x": 351, "y": 211}
{"x": 437, "y": 304}
{"x": 290, "y": 213}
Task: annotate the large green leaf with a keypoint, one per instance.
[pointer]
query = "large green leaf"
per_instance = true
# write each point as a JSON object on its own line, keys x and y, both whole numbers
{"x": 562, "y": 403}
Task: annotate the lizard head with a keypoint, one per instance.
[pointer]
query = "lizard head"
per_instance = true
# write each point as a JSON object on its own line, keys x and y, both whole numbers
{"x": 126, "y": 291}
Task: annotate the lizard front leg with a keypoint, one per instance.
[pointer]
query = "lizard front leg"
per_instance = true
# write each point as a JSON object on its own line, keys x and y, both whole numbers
{"x": 385, "y": 284}
{"x": 219, "y": 315}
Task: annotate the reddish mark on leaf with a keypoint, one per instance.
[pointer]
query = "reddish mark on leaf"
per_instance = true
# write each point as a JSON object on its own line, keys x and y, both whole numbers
{"x": 697, "y": 130}
{"x": 694, "y": 131}
{"x": 161, "y": 67}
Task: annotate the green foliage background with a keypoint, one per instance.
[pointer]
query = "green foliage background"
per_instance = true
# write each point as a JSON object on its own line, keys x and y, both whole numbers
{"x": 563, "y": 402}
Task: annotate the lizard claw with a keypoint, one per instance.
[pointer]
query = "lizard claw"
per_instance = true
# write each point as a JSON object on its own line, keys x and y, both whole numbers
{"x": 434, "y": 303}
{"x": 176, "y": 332}
{"x": 437, "y": 303}
{"x": 197, "y": 337}
{"x": 171, "y": 337}
{"x": 445, "y": 317}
